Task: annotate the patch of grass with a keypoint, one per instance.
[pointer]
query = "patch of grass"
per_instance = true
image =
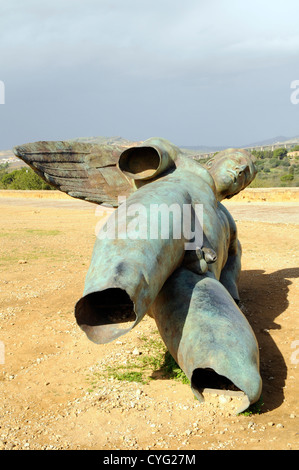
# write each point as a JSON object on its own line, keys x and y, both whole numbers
{"x": 138, "y": 369}
{"x": 133, "y": 376}
{"x": 154, "y": 362}
{"x": 9, "y": 258}
{"x": 27, "y": 232}
{"x": 155, "y": 344}
{"x": 43, "y": 232}
{"x": 34, "y": 254}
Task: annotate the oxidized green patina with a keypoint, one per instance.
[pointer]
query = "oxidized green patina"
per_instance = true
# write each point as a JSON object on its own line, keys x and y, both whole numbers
{"x": 189, "y": 288}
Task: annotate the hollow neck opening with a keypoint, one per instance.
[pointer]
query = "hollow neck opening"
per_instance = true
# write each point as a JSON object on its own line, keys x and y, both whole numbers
{"x": 140, "y": 162}
{"x": 207, "y": 378}
{"x": 110, "y": 306}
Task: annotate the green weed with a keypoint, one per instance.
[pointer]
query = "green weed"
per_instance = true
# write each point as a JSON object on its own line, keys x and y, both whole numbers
{"x": 154, "y": 363}
{"x": 43, "y": 232}
{"x": 133, "y": 376}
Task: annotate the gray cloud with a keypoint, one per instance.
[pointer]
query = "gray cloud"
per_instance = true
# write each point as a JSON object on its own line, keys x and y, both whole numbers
{"x": 197, "y": 72}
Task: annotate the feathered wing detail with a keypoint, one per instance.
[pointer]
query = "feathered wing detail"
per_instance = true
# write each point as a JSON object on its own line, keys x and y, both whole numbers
{"x": 82, "y": 170}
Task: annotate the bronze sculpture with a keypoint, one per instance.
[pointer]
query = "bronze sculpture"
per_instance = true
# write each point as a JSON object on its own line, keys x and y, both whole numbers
{"x": 186, "y": 280}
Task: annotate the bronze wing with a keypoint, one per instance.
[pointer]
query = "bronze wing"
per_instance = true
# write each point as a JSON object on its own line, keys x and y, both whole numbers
{"x": 82, "y": 170}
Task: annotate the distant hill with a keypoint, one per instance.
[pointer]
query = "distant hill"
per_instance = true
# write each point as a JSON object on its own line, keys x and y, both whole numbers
{"x": 202, "y": 148}
{"x": 292, "y": 140}
{"x": 100, "y": 140}
{"x": 273, "y": 141}
{"x": 282, "y": 140}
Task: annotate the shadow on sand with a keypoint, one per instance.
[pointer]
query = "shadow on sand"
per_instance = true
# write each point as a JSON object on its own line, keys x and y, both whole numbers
{"x": 263, "y": 298}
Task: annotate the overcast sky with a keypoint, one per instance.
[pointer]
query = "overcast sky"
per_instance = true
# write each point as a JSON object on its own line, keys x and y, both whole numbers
{"x": 196, "y": 72}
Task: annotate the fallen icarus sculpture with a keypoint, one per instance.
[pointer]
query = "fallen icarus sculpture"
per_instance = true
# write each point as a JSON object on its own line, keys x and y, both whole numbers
{"x": 169, "y": 250}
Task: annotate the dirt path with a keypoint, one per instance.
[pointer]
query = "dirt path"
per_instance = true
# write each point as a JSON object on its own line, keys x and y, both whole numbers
{"x": 54, "y": 386}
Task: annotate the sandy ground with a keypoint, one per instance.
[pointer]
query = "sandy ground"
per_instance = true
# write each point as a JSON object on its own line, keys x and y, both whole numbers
{"x": 54, "y": 386}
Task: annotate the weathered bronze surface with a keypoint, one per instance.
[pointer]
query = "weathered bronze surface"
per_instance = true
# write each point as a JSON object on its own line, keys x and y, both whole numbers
{"x": 191, "y": 293}
{"x": 208, "y": 335}
{"x": 84, "y": 171}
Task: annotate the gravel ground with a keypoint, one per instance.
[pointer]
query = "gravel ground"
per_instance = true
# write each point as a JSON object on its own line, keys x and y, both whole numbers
{"x": 56, "y": 389}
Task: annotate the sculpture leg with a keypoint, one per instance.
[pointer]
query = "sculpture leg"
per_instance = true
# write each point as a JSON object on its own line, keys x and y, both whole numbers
{"x": 230, "y": 273}
{"x": 127, "y": 272}
{"x": 207, "y": 334}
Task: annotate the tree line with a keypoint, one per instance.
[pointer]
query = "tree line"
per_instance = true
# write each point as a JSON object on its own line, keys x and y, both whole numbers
{"x": 277, "y": 164}
{"x": 23, "y": 178}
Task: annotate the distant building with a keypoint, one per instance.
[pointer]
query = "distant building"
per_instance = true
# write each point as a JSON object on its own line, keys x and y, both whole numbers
{"x": 9, "y": 160}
